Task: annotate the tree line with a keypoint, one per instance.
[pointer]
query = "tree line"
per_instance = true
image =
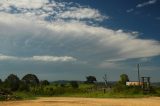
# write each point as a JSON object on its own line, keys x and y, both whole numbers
{"x": 14, "y": 83}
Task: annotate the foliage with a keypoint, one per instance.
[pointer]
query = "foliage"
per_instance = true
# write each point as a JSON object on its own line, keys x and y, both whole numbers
{"x": 124, "y": 79}
{"x": 90, "y": 79}
{"x": 31, "y": 79}
{"x": 12, "y": 82}
{"x": 62, "y": 85}
{"x": 74, "y": 84}
{"x": 23, "y": 86}
{"x": 30, "y": 88}
{"x": 44, "y": 83}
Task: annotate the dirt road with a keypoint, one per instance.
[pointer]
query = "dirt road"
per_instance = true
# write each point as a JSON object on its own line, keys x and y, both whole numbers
{"x": 65, "y": 101}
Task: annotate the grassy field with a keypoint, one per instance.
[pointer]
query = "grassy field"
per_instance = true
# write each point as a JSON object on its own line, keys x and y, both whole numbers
{"x": 82, "y": 91}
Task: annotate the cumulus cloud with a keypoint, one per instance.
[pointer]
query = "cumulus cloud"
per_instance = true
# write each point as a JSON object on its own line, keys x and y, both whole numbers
{"x": 30, "y": 33}
{"x": 150, "y": 2}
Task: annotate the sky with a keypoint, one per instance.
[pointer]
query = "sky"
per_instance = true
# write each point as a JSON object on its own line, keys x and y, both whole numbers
{"x": 72, "y": 39}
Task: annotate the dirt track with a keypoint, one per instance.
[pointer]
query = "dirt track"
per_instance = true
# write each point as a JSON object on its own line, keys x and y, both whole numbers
{"x": 65, "y": 101}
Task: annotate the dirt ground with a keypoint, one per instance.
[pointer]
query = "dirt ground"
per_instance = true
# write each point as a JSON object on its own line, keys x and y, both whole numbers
{"x": 66, "y": 101}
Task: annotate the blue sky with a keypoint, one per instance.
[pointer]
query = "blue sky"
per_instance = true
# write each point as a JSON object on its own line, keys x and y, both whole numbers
{"x": 71, "y": 39}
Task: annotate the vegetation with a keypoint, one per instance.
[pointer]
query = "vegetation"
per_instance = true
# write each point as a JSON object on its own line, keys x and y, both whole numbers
{"x": 30, "y": 87}
{"x": 12, "y": 82}
{"x": 30, "y": 79}
{"x": 74, "y": 84}
{"x": 124, "y": 79}
{"x": 91, "y": 79}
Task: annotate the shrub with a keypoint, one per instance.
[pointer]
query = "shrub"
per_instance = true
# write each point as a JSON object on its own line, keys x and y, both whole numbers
{"x": 74, "y": 84}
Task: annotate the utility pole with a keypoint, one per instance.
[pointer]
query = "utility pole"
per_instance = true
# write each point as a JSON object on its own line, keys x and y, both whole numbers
{"x": 138, "y": 74}
{"x": 105, "y": 79}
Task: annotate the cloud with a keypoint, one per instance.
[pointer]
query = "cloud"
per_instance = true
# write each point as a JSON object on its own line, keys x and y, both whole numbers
{"x": 33, "y": 32}
{"x": 24, "y": 3}
{"x": 129, "y": 10}
{"x": 143, "y": 60}
{"x": 82, "y": 13}
{"x": 109, "y": 65}
{"x": 150, "y": 2}
{"x": 157, "y": 18}
{"x": 4, "y": 57}
{"x": 44, "y": 32}
{"x": 38, "y": 58}
{"x": 76, "y": 39}
{"x": 53, "y": 58}
{"x": 50, "y": 10}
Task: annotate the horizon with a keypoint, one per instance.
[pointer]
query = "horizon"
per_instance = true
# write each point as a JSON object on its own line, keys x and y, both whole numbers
{"x": 72, "y": 39}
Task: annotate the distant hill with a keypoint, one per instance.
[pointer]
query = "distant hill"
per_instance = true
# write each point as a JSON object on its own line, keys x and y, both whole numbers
{"x": 156, "y": 84}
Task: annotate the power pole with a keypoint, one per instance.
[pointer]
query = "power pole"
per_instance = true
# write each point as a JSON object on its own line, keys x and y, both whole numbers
{"x": 138, "y": 73}
{"x": 106, "y": 80}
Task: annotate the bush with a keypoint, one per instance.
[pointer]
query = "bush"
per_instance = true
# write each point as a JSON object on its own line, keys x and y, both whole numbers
{"x": 74, "y": 84}
{"x": 23, "y": 86}
{"x": 120, "y": 88}
{"x": 44, "y": 83}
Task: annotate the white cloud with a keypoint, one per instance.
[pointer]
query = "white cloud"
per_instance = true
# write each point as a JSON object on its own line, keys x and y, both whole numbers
{"x": 24, "y": 3}
{"x": 150, "y": 2}
{"x": 5, "y": 57}
{"x": 53, "y": 58}
{"x": 72, "y": 38}
{"x": 38, "y": 58}
{"x": 50, "y": 10}
{"x": 82, "y": 13}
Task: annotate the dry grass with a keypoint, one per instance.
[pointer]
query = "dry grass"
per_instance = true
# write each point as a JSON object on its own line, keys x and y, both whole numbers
{"x": 65, "y": 101}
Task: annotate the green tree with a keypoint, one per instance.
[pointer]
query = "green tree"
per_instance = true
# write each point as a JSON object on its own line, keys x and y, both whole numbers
{"x": 23, "y": 86}
{"x": 12, "y": 82}
{"x": 123, "y": 79}
{"x": 74, "y": 84}
{"x": 30, "y": 79}
{"x": 91, "y": 79}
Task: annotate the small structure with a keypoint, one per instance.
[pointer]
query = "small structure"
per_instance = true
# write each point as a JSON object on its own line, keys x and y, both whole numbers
{"x": 134, "y": 83}
{"x": 146, "y": 83}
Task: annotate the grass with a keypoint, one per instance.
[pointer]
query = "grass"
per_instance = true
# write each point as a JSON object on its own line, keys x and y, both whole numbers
{"x": 24, "y": 95}
{"x": 104, "y": 95}
{"x": 54, "y": 91}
